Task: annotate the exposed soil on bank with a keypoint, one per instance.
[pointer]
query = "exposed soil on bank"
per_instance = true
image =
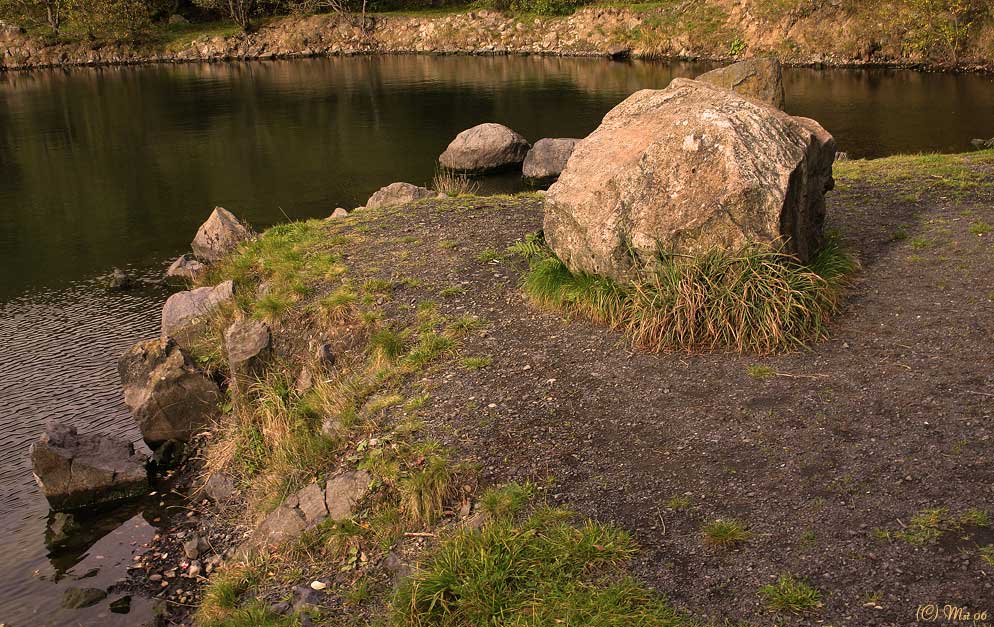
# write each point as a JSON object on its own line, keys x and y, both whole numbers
{"x": 872, "y": 34}
{"x": 827, "y": 460}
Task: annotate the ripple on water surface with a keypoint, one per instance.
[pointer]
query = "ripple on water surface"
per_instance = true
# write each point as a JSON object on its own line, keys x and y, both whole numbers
{"x": 58, "y": 359}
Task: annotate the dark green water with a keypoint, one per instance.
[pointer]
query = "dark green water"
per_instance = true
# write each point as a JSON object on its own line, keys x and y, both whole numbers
{"x": 117, "y": 167}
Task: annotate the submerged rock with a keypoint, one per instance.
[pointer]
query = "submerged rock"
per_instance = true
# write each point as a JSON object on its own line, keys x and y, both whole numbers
{"x": 186, "y": 267}
{"x": 186, "y": 315}
{"x": 686, "y": 169}
{"x": 78, "y": 598}
{"x": 219, "y": 235}
{"x": 121, "y": 605}
{"x": 397, "y": 194}
{"x": 484, "y": 148}
{"x": 761, "y": 79}
{"x": 76, "y": 470}
{"x": 120, "y": 280}
{"x": 169, "y": 398}
{"x": 547, "y": 158}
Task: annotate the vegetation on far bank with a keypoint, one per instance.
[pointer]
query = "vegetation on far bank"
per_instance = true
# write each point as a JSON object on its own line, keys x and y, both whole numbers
{"x": 934, "y": 32}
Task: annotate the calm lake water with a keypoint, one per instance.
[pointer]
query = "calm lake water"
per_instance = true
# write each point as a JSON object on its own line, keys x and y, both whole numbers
{"x": 117, "y": 167}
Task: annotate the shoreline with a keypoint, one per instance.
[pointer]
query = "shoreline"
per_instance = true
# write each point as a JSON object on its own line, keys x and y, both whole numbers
{"x": 612, "y": 33}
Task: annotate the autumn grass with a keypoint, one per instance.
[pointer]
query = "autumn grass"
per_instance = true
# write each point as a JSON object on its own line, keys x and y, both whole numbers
{"x": 749, "y": 300}
{"x": 543, "y": 567}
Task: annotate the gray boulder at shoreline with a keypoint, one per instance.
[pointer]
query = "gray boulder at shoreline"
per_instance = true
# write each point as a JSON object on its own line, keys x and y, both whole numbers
{"x": 168, "y": 397}
{"x": 186, "y": 316}
{"x": 548, "y": 157}
{"x": 186, "y": 267}
{"x": 687, "y": 169}
{"x": 484, "y": 148}
{"x": 76, "y": 470}
{"x": 219, "y": 235}
{"x": 397, "y": 194}
{"x": 760, "y": 78}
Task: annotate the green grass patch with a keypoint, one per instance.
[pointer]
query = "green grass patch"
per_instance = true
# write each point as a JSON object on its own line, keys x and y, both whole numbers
{"x": 752, "y": 299}
{"x": 725, "y": 533}
{"x": 957, "y": 174}
{"x": 476, "y": 363}
{"x": 540, "y": 570}
{"x": 790, "y": 594}
{"x": 929, "y": 525}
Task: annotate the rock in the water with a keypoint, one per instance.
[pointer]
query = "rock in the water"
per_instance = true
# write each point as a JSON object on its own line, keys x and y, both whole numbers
{"x": 484, "y": 148}
{"x": 76, "y": 470}
{"x": 169, "y": 398}
{"x": 186, "y": 267}
{"x": 619, "y": 52}
{"x": 343, "y": 491}
{"x": 77, "y": 598}
{"x": 339, "y": 212}
{"x": 247, "y": 342}
{"x": 186, "y": 315}
{"x": 761, "y": 79}
{"x": 982, "y": 144}
{"x": 687, "y": 169}
{"x": 120, "y": 280}
{"x": 398, "y": 194}
{"x": 547, "y": 158}
{"x": 219, "y": 235}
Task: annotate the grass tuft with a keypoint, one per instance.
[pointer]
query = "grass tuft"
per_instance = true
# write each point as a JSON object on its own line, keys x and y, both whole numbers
{"x": 453, "y": 184}
{"x": 725, "y": 533}
{"x": 749, "y": 300}
{"x": 789, "y": 594}
{"x": 424, "y": 493}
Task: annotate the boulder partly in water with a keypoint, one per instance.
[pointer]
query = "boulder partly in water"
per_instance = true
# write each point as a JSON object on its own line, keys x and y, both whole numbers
{"x": 761, "y": 79}
{"x": 484, "y": 148}
{"x": 219, "y": 235}
{"x": 169, "y": 398}
{"x": 397, "y": 194}
{"x": 548, "y": 157}
{"x": 77, "y": 470}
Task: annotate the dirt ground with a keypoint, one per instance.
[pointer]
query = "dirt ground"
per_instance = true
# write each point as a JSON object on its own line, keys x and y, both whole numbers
{"x": 847, "y": 441}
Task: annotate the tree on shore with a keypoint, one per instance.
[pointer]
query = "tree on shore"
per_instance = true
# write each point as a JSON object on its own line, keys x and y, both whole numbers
{"x": 945, "y": 25}
{"x": 239, "y": 11}
{"x": 50, "y": 13}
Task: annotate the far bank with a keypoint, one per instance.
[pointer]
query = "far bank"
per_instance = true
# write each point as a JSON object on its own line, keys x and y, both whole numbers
{"x": 878, "y": 34}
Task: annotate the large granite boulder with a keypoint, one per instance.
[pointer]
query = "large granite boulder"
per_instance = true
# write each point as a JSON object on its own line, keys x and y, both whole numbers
{"x": 169, "y": 398}
{"x": 398, "y": 194}
{"x": 687, "y": 169}
{"x": 761, "y": 79}
{"x": 547, "y": 158}
{"x": 186, "y": 316}
{"x": 485, "y": 148}
{"x": 75, "y": 470}
{"x": 219, "y": 235}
